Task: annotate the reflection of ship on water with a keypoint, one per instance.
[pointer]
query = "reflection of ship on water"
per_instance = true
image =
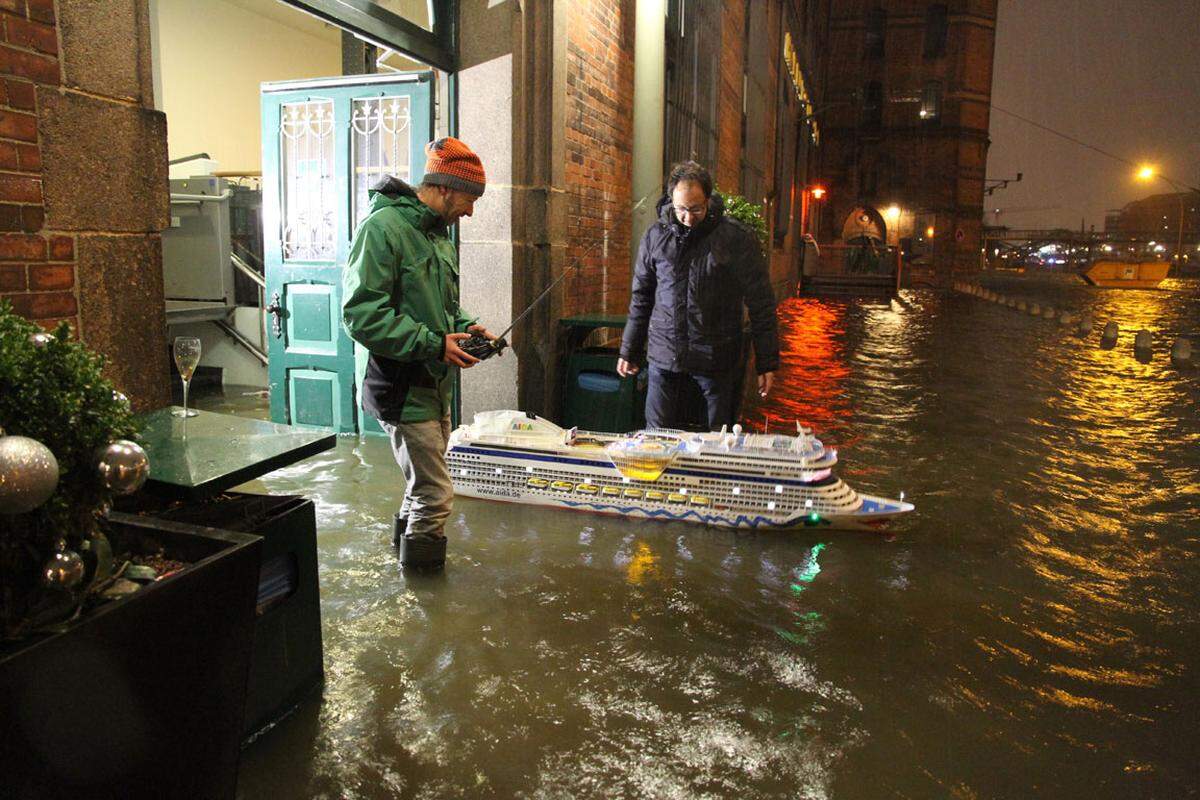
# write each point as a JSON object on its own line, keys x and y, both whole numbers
{"x": 726, "y": 478}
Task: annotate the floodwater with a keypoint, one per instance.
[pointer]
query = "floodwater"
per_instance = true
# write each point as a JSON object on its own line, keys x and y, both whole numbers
{"x": 1031, "y": 631}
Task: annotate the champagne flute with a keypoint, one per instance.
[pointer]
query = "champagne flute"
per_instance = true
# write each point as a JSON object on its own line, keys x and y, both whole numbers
{"x": 187, "y": 358}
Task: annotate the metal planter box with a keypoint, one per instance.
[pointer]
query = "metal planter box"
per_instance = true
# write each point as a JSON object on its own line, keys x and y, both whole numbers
{"x": 145, "y": 696}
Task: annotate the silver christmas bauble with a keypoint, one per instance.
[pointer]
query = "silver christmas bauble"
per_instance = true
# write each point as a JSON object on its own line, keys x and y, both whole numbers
{"x": 63, "y": 570}
{"x": 28, "y": 474}
{"x": 122, "y": 466}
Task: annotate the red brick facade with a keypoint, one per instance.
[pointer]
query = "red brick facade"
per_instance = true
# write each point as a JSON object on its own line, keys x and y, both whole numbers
{"x": 599, "y": 154}
{"x": 728, "y": 169}
{"x": 37, "y": 267}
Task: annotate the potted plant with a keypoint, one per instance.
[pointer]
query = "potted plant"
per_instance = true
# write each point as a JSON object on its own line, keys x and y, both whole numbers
{"x": 115, "y": 631}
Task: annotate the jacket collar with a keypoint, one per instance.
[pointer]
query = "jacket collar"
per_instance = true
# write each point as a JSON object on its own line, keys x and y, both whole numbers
{"x": 391, "y": 191}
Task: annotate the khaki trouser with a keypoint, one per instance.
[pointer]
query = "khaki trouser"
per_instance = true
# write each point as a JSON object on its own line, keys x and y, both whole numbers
{"x": 420, "y": 449}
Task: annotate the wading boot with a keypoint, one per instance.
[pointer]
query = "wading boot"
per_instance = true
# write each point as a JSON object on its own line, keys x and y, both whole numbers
{"x": 423, "y": 553}
{"x": 399, "y": 525}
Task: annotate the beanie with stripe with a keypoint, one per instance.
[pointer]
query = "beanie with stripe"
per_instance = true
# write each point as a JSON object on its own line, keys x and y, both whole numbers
{"x": 452, "y": 164}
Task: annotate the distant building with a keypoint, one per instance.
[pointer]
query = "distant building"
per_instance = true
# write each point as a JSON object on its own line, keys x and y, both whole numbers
{"x": 907, "y": 89}
{"x": 1156, "y": 218}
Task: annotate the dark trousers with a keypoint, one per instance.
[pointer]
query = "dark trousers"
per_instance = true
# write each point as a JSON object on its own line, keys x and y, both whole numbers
{"x": 668, "y": 395}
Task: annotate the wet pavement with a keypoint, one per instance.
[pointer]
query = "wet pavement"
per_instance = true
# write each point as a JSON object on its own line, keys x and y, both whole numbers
{"x": 1031, "y": 631}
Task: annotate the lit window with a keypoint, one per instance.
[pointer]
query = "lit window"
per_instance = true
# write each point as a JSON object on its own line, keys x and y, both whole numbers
{"x": 931, "y": 102}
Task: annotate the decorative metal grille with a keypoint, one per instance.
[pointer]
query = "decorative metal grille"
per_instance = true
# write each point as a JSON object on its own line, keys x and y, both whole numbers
{"x": 309, "y": 185}
{"x": 381, "y": 136}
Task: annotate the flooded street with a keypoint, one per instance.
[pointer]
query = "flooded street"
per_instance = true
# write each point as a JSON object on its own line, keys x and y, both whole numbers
{"x": 1030, "y": 631}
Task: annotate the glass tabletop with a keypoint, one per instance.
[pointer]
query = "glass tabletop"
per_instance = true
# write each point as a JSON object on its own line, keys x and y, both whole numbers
{"x": 207, "y": 454}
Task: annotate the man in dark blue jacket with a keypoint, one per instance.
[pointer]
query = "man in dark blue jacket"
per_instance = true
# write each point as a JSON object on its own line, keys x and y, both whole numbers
{"x": 695, "y": 270}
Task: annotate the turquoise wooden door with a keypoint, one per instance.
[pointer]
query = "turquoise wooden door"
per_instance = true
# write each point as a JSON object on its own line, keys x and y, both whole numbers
{"x": 325, "y": 142}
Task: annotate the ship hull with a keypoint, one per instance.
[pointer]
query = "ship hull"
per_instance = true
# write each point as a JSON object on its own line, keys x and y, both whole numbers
{"x": 860, "y": 521}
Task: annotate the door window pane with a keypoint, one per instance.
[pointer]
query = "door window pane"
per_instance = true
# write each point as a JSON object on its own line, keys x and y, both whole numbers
{"x": 381, "y": 139}
{"x": 309, "y": 190}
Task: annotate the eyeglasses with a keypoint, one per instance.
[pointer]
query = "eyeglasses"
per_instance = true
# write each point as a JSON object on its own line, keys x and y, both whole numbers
{"x": 693, "y": 210}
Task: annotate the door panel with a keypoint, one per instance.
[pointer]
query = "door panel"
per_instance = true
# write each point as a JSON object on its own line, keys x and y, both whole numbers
{"x": 325, "y": 142}
{"x": 314, "y": 397}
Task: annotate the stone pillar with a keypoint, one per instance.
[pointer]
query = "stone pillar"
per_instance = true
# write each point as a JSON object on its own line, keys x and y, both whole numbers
{"x": 358, "y": 57}
{"x": 485, "y": 123}
{"x": 87, "y": 196}
{"x": 649, "y": 87}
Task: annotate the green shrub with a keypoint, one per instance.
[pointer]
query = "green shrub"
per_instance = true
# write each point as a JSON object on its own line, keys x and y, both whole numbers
{"x": 744, "y": 211}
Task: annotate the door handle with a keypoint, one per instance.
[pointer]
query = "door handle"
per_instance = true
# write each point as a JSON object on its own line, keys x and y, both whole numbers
{"x": 276, "y": 312}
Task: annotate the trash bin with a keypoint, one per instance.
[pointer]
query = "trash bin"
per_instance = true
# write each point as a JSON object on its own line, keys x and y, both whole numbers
{"x": 595, "y": 397}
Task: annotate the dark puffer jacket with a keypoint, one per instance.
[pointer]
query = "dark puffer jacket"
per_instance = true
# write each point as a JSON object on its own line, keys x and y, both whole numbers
{"x": 689, "y": 286}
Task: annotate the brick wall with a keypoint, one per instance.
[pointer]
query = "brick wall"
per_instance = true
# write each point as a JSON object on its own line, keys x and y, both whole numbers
{"x": 935, "y": 172}
{"x": 729, "y": 99}
{"x": 83, "y": 192}
{"x": 37, "y": 267}
{"x": 599, "y": 155}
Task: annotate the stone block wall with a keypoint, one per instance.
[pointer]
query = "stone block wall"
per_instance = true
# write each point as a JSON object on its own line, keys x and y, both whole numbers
{"x": 83, "y": 181}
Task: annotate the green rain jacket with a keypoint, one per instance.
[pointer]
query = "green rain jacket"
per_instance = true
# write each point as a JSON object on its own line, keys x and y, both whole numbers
{"x": 399, "y": 300}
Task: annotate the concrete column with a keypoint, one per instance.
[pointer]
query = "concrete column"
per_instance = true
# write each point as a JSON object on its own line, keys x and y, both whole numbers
{"x": 485, "y": 123}
{"x": 649, "y": 96}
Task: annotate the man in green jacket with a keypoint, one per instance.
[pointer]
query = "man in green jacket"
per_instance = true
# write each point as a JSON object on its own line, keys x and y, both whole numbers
{"x": 400, "y": 302}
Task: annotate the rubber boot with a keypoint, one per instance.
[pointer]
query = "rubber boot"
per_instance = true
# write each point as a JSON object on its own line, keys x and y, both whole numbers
{"x": 399, "y": 525}
{"x": 423, "y": 553}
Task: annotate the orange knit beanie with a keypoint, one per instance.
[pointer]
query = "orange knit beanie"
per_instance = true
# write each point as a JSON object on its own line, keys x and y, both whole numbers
{"x": 452, "y": 164}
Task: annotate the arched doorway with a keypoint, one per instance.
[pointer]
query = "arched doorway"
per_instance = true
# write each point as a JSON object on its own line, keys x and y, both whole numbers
{"x": 865, "y": 234}
{"x": 864, "y": 223}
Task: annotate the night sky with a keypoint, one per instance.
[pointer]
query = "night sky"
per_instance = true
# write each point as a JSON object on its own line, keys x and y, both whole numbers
{"x": 1122, "y": 76}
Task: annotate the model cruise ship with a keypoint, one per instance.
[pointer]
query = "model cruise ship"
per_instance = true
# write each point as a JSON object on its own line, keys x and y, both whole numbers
{"x": 725, "y": 478}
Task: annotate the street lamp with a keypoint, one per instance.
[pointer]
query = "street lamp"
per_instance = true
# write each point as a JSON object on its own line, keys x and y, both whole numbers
{"x": 1146, "y": 173}
{"x": 814, "y": 192}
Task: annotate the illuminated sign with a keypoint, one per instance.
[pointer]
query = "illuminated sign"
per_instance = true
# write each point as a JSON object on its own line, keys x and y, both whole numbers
{"x": 792, "y": 62}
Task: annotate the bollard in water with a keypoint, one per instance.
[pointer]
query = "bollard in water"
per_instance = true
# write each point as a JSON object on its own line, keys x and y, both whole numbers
{"x": 1141, "y": 347}
{"x": 1035, "y": 310}
{"x": 1065, "y": 319}
{"x": 1108, "y": 337}
{"x": 1021, "y": 305}
{"x": 1049, "y": 313}
{"x": 1085, "y": 324}
{"x": 1181, "y": 352}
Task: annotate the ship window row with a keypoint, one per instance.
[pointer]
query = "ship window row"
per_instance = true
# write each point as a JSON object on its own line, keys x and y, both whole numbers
{"x": 787, "y": 496}
{"x": 752, "y": 495}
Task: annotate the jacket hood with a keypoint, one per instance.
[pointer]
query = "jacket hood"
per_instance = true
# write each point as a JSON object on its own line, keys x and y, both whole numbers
{"x": 391, "y": 191}
{"x": 716, "y": 212}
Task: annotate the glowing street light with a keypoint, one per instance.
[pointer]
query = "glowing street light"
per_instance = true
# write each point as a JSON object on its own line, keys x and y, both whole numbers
{"x": 893, "y": 212}
{"x": 818, "y": 192}
{"x": 929, "y": 232}
{"x": 1145, "y": 172}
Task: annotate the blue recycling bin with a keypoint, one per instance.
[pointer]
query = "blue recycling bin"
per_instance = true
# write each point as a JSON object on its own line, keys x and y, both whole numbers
{"x": 594, "y": 396}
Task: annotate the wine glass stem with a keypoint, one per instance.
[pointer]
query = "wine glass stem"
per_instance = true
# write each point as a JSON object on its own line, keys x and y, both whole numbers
{"x": 185, "y": 393}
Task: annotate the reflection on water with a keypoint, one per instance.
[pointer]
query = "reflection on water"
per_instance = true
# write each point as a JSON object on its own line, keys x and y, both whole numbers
{"x": 1032, "y": 630}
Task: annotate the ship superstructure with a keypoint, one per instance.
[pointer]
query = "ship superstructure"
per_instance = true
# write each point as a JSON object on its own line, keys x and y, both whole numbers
{"x": 727, "y": 478}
